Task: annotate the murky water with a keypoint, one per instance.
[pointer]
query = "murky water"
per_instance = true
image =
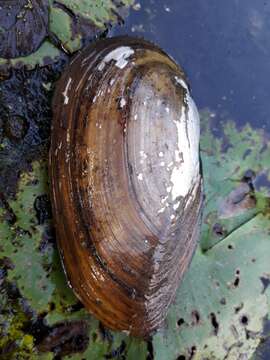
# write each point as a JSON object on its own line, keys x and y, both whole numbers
{"x": 224, "y": 47}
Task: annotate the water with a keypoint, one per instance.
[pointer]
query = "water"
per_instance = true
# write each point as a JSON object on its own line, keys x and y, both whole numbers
{"x": 224, "y": 47}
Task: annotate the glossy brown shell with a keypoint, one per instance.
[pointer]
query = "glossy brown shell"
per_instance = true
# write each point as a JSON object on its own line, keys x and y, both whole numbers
{"x": 125, "y": 179}
{"x": 23, "y": 26}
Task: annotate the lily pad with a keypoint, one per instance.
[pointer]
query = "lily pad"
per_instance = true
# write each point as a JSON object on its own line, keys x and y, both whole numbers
{"x": 46, "y": 54}
{"x": 222, "y": 304}
{"x": 69, "y": 25}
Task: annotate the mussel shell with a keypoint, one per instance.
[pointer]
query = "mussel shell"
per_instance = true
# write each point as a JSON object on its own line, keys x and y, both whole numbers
{"x": 125, "y": 179}
{"x": 23, "y": 26}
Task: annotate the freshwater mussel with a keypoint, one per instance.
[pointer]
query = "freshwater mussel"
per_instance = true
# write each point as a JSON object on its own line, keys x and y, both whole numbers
{"x": 125, "y": 179}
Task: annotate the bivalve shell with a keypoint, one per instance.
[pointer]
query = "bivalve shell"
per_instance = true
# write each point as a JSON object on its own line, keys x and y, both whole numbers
{"x": 126, "y": 182}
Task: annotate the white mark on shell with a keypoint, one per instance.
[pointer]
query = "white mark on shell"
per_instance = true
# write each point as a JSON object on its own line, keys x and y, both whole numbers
{"x": 143, "y": 154}
{"x": 120, "y": 55}
{"x": 176, "y": 206}
{"x": 181, "y": 82}
{"x": 66, "y": 98}
{"x": 122, "y": 103}
{"x": 164, "y": 199}
{"x": 186, "y": 172}
{"x": 160, "y": 211}
{"x": 68, "y": 136}
{"x": 178, "y": 156}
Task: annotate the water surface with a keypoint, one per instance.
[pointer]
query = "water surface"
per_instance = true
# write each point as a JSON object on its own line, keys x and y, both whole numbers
{"x": 224, "y": 47}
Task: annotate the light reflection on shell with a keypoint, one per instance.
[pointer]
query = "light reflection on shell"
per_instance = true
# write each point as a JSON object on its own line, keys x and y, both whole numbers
{"x": 126, "y": 183}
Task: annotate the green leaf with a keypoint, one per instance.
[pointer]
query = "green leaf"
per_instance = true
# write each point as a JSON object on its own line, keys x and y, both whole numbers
{"x": 47, "y": 53}
{"x": 100, "y": 12}
{"x": 70, "y": 22}
{"x": 221, "y": 305}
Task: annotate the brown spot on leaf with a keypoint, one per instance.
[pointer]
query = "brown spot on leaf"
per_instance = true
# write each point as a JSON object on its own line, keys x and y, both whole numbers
{"x": 214, "y": 323}
{"x": 244, "y": 320}
{"x": 181, "y": 357}
{"x": 66, "y": 338}
{"x": 180, "y": 322}
{"x": 116, "y": 354}
{"x": 265, "y": 279}
{"x": 195, "y": 316}
{"x": 238, "y": 308}
{"x": 219, "y": 230}
{"x": 238, "y": 201}
{"x": 236, "y": 281}
{"x": 223, "y": 301}
{"x": 42, "y": 207}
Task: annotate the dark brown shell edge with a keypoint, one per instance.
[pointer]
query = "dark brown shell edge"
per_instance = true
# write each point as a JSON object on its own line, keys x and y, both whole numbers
{"x": 117, "y": 293}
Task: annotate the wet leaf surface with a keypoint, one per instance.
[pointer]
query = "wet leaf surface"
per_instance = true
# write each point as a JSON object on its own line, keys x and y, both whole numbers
{"x": 40, "y": 32}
